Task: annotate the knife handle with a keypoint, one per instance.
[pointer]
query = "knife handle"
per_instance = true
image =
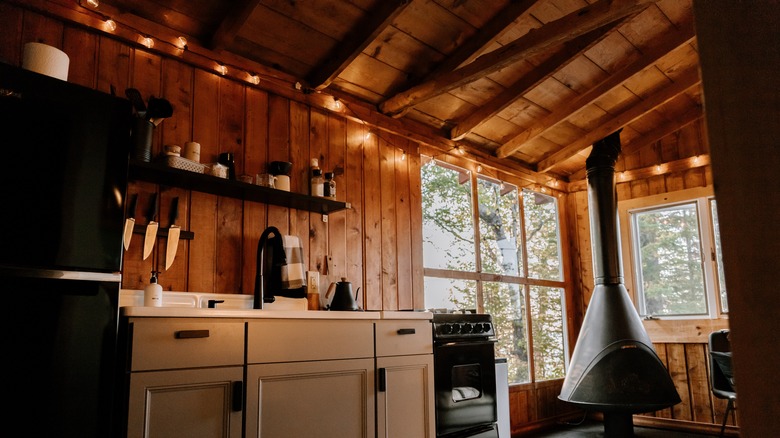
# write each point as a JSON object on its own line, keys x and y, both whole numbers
{"x": 153, "y": 207}
{"x": 174, "y": 210}
{"x": 131, "y": 205}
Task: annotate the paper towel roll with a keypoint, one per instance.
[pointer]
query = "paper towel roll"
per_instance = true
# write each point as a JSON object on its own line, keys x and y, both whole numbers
{"x": 46, "y": 60}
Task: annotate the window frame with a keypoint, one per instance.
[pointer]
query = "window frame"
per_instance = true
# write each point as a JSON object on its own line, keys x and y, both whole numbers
{"x": 702, "y": 198}
{"x": 522, "y": 279}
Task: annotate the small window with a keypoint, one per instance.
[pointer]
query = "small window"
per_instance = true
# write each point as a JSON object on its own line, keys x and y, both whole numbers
{"x": 673, "y": 264}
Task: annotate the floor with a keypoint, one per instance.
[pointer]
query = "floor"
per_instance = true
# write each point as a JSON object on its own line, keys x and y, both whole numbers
{"x": 592, "y": 429}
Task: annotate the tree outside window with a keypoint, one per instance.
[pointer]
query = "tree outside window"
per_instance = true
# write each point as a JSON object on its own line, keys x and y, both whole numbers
{"x": 675, "y": 260}
{"x": 489, "y": 246}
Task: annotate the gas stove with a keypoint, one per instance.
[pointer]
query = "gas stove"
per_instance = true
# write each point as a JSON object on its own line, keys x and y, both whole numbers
{"x": 462, "y": 325}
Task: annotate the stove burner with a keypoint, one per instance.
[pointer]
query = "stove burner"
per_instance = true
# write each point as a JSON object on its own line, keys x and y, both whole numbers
{"x": 448, "y": 326}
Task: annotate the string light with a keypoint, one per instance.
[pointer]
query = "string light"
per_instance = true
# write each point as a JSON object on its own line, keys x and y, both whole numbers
{"x": 337, "y": 105}
{"x": 109, "y": 25}
{"x": 147, "y": 41}
{"x": 479, "y": 168}
{"x": 222, "y": 69}
{"x": 403, "y": 155}
{"x": 696, "y": 159}
{"x": 93, "y": 3}
{"x": 254, "y": 79}
{"x": 368, "y": 135}
{"x": 657, "y": 168}
{"x": 181, "y": 43}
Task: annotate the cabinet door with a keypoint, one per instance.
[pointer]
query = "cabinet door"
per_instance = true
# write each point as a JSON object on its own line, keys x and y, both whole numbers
{"x": 405, "y": 404}
{"x": 323, "y": 399}
{"x": 201, "y": 403}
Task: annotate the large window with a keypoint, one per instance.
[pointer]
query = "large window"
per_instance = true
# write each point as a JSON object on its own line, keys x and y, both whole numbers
{"x": 490, "y": 246}
{"x": 673, "y": 255}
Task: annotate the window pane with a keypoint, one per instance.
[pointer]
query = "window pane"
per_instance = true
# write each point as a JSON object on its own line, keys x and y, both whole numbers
{"x": 542, "y": 236}
{"x": 506, "y": 304}
{"x": 448, "y": 225}
{"x": 724, "y": 304}
{"x": 499, "y": 227}
{"x": 670, "y": 264}
{"x": 548, "y": 332}
{"x": 445, "y": 293}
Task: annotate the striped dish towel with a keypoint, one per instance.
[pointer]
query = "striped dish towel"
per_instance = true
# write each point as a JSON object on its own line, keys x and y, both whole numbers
{"x": 293, "y": 271}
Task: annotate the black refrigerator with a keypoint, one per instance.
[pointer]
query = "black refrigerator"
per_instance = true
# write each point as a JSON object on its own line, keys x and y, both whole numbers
{"x": 63, "y": 181}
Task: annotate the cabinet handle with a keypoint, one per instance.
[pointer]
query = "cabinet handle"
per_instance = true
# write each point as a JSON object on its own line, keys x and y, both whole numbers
{"x": 382, "y": 379}
{"x": 238, "y": 396}
{"x": 190, "y": 334}
{"x": 406, "y": 331}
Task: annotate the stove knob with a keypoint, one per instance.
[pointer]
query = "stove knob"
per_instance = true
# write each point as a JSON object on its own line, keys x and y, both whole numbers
{"x": 478, "y": 328}
{"x": 455, "y": 328}
{"x": 467, "y": 327}
{"x": 446, "y": 329}
{"x": 487, "y": 327}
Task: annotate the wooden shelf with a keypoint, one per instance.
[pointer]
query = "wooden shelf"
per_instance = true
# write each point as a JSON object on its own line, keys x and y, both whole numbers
{"x": 159, "y": 174}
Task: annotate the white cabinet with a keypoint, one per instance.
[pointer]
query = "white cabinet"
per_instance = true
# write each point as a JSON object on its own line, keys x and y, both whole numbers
{"x": 310, "y": 379}
{"x": 185, "y": 378}
{"x": 404, "y": 361}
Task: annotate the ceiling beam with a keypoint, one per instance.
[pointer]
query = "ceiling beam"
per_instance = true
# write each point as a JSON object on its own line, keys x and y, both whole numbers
{"x": 355, "y": 41}
{"x": 533, "y": 78}
{"x": 535, "y": 42}
{"x": 232, "y": 23}
{"x": 486, "y": 34}
{"x": 667, "y": 128}
{"x": 656, "y": 99}
{"x": 650, "y": 57}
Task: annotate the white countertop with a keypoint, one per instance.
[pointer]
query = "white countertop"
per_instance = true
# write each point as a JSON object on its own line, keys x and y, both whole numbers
{"x": 193, "y": 305}
{"x": 190, "y": 312}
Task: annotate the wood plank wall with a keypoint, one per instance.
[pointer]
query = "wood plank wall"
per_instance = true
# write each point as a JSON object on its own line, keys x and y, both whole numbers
{"x": 370, "y": 244}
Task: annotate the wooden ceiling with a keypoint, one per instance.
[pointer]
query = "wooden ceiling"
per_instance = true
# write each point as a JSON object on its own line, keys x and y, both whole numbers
{"x": 530, "y": 82}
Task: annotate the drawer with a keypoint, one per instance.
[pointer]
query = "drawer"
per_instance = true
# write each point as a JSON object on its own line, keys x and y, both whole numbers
{"x": 396, "y": 338}
{"x": 179, "y": 343}
{"x": 304, "y": 340}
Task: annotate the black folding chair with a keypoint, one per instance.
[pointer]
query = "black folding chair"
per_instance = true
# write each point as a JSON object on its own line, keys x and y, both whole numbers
{"x": 721, "y": 376}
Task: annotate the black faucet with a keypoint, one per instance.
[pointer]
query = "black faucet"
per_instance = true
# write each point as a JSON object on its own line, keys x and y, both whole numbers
{"x": 261, "y": 264}
{"x": 213, "y": 303}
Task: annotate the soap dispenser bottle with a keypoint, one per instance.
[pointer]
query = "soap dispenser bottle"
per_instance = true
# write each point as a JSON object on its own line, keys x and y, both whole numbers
{"x": 153, "y": 292}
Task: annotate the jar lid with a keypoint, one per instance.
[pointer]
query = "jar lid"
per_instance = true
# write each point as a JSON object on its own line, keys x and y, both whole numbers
{"x": 328, "y": 175}
{"x": 317, "y": 172}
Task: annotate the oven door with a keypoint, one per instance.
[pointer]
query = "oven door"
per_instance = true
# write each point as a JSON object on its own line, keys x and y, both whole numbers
{"x": 465, "y": 384}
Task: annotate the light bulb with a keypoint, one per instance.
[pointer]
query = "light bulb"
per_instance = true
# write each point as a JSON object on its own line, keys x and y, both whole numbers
{"x": 109, "y": 25}
{"x": 696, "y": 159}
{"x": 367, "y": 136}
{"x": 337, "y": 105}
{"x": 181, "y": 43}
{"x": 403, "y": 156}
{"x": 479, "y": 168}
{"x": 148, "y": 42}
{"x": 255, "y": 79}
{"x": 658, "y": 168}
{"x": 222, "y": 69}
{"x": 93, "y": 3}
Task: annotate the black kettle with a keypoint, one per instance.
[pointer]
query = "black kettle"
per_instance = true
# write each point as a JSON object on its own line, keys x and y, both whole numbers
{"x": 343, "y": 299}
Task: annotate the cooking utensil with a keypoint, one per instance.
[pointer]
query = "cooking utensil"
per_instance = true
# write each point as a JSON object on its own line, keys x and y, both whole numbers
{"x": 151, "y": 227}
{"x": 173, "y": 234}
{"x": 137, "y": 101}
{"x": 159, "y": 109}
{"x": 342, "y": 299}
{"x": 130, "y": 221}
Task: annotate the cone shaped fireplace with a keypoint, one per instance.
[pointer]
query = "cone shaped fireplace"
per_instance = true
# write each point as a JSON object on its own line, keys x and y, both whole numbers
{"x": 614, "y": 368}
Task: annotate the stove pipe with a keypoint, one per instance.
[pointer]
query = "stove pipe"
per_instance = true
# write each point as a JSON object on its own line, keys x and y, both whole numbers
{"x": 614, "y": 368}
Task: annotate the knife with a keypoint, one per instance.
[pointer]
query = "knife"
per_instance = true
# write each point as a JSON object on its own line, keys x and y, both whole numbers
{"x": 130, "y": 221}
{"x": 173, "y": 234}
{"x": 151, "y": 227}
